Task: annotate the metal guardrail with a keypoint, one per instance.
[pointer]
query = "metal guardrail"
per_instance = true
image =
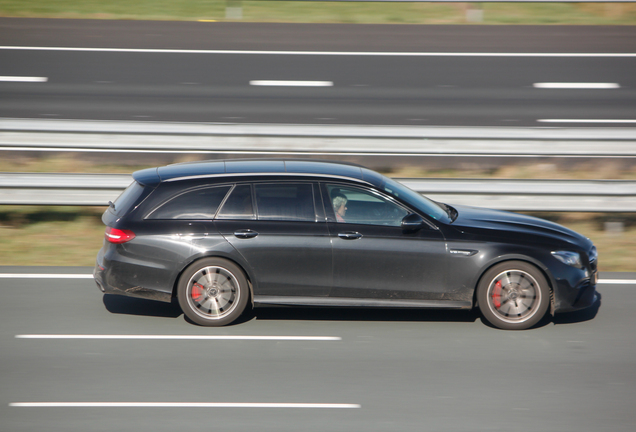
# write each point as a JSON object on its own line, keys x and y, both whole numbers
{"x": 515, "y": 195}
{"x": 91, "y": 136}
{"x": 61, "y": 189}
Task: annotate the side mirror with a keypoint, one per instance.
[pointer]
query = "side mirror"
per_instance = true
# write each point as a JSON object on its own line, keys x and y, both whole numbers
{"x": 412, "y": 223}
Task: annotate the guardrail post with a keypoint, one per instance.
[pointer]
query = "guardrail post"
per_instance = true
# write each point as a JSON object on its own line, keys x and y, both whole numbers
{"x": 233, "y": 10}
{"x": 614, "y": 227}
{"x": 474, "y": 12}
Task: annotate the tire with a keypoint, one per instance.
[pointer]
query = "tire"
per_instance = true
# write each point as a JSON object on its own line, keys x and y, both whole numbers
{"x": 513, "y": 295}
{"x": 213, "y": 292}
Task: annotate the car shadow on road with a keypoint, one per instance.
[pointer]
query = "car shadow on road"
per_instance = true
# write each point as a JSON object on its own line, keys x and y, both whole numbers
{"x": 117, "y": 304}
{"x": 350, "y": 314}
{"x": 135, "y": 306}
{"x": 416, "y": 315}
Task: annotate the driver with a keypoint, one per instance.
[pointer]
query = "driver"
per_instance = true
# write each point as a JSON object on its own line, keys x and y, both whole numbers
{"x": 339, "y": 206}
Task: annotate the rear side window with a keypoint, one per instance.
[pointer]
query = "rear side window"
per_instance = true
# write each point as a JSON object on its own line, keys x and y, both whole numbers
{"x": 128, "y": 198}
{"x": 195, "y": 204}
{"x": 285, "y": 202}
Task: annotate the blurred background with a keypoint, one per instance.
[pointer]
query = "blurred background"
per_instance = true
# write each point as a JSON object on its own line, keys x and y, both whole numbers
{"x": 527, "y": 107}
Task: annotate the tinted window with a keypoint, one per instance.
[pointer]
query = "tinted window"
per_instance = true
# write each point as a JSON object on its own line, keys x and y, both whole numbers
{"x": 411, "y": 197}
{"x": 415, "y": 199}
{"x": 238, "y": 205}
{"x": 127, "y": 199}
{"x": 362, "y": 206}
{"x": 196, "y": 204}
{"x": 288, "y": 202}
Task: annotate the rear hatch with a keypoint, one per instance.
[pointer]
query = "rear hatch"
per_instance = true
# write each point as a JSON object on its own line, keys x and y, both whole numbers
{"x": 125, "y": 203}
{"x": 144, "y": 182}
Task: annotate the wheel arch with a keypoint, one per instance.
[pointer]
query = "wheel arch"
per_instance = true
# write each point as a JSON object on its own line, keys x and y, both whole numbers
{"x": 524, "y": 258}
{"x": 194, "y": 259}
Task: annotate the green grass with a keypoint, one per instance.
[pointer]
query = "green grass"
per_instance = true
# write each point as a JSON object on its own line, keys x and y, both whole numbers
{"x": 325, "y": 12}
{"x": 65, "y": 163}
{"x": 58, "y": 236}
{"x": 581, "y": 170}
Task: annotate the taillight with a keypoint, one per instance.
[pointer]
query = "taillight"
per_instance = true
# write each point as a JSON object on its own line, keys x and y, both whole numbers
{"x": 118, "y": 236}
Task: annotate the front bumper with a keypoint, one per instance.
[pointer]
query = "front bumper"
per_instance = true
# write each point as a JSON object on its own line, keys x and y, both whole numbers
{"x": 574, "y": 293}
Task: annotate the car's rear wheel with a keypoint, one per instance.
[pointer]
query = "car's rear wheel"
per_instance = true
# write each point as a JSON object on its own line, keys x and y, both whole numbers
{"x": 513, "y": 295}
{"x": 213, "y": 292}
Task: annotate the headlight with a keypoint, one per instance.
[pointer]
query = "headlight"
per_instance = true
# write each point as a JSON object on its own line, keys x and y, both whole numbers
{"x": 570, "y": 258}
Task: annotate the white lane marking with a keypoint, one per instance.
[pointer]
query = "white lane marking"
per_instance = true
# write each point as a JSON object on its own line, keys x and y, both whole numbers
{"x": 44, "y": 276}
{"x": 23, "y": 79}
{"x": 281, "y": 83}
{"x": 320, "y": 53}
{"x": 180, "y": 405}
{"x": 176, "y": 337}
{"x": 609, "y": 121}
{"x": 574, "y": 85}
{"x": 617, "y": 281}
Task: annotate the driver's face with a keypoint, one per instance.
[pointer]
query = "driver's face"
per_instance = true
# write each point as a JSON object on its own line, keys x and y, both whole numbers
{"x": 342, "y": 210}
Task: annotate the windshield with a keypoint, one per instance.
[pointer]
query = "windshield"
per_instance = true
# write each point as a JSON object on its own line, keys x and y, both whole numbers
{"x": 416, "y": 200}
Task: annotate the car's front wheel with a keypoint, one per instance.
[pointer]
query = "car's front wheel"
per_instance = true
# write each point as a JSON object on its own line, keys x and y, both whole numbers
{"x": 513, "y": 295}
{"x": 213, "y": 292}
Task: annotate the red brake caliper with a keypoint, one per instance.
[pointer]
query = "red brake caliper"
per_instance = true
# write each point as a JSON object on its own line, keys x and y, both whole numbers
{"x": 496, "y": 295}
{"x": 197, "y": 291}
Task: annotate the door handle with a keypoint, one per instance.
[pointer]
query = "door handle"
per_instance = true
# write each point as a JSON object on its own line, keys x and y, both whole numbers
{"x": 350, "y": 235}
{"x": 245, "y": 234}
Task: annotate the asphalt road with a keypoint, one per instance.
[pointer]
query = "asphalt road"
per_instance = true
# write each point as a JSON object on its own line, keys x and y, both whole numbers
{"x": 386, "y": 370}
{"x": 483, "y": 77}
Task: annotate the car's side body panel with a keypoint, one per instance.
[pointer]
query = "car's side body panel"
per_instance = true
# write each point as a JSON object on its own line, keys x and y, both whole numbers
{"x": 286, "y": 259}
{"x": 386, "y": 263}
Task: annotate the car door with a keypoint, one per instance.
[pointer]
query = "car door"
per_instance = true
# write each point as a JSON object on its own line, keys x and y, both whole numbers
{"x": 373, "y": 257}
{"x": 275, "y": 227}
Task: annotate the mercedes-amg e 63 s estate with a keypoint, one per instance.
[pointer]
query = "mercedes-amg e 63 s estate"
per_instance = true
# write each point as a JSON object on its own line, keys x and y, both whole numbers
{"x": 223, "y": 236}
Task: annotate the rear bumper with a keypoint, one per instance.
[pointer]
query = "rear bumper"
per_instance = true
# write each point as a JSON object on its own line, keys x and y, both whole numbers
{"x": 117, "y": 278}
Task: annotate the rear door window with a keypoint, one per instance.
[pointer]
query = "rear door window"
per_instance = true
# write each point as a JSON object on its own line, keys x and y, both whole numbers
{"x": 238, "y": 205}
{"x": 200, "y": 203}
{"x": 285, "y": 202}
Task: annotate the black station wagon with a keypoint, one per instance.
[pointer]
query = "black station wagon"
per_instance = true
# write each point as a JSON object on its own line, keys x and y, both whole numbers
{"x": 224, "y": 235}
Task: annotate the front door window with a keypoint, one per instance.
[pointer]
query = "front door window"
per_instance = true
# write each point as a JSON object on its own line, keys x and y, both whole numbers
{"x": 359, "y": 206}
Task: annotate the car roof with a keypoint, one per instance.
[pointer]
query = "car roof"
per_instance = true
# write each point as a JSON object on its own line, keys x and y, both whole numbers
{"x": 207, "y": 169}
